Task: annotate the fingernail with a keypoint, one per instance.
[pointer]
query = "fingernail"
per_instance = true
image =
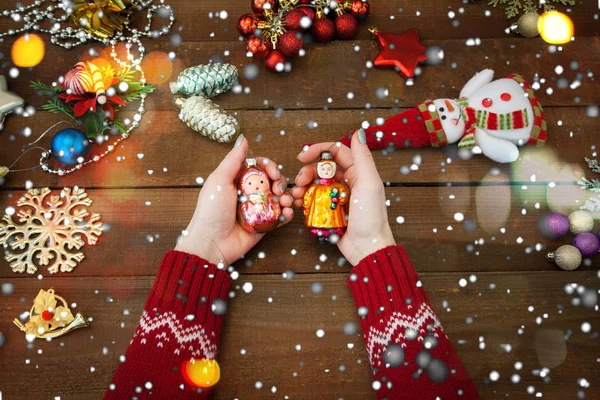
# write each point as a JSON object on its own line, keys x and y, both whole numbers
{"x": 282, "y": 186}
{"x": 298, "y": 176}
{"x": 362, "y": 136}
{"x": 239, "y": 140}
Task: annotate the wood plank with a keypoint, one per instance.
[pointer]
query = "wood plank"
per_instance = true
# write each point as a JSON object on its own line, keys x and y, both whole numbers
{"x": 269, "y": 332}
{"x": 140, "y": 234}
{"x": 193, "y": 19}
{"x": 163, "y": 138}
{"x": 317, "y": 76}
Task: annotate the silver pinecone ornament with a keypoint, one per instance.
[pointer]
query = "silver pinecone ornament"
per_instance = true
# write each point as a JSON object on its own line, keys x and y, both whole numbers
{"x": 207, "y": 80}
{"x": 207, "y": 118}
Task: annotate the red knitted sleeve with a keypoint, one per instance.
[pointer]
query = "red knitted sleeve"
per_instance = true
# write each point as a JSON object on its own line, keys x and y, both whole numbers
{"x": 411, "y": 356}
{"x": 177, "y": 325}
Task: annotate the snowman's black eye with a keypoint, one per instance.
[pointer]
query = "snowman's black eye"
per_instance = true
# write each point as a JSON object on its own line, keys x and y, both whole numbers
{"x": 249, "y": 183}
{"x": 443, "y": 117}
{"x": 442, "y": 109}
{"x": 261, "y": 182}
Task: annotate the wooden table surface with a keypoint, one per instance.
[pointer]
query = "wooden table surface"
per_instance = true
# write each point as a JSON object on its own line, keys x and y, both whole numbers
{"x": 515, "y": 307}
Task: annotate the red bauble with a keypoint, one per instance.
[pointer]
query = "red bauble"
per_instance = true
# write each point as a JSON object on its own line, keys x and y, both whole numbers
{"x": 290, "y": 43}
{"x": 257, "y": 47}
{"x": 345, "y": 26}
{"x": 247, "y": 24}
{"x": 259, "y": 6}
{"x": 292, "y": 19}
{"x": 309, "y": 12}
{"x": 323, "y": 30}
{"x": 359, "y": 9}
{"x": 273, "y": 58}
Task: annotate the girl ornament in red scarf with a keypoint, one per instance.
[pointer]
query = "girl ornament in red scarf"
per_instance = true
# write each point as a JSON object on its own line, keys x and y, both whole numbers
{"x": 498, "y": 116}
{"x": 258, "y": 210}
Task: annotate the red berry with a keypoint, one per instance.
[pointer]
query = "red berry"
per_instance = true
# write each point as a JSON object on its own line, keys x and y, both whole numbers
{"x": 323, "y": 30}
{"x": 345, "y": 26}
{"x": 290, "y": 43}
{"x": 46, "y": 315}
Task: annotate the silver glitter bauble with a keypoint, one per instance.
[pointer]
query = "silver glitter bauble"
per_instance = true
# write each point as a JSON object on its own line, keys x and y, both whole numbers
{"x": 437, "y": 371}
{"x": 393, "y": 355}
{"x": 219, "y": 307}
{"x": 350, "y": 328}
{"x": 423, "y": 359}
{"x": 566, "y": 257}
{"x": 581, "y": 221}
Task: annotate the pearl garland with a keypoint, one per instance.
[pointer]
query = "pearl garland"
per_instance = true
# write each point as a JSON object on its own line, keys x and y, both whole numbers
{"x": 71, "y": 37}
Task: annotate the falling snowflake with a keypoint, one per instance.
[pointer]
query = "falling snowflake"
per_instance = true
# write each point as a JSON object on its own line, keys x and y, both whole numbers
{"x": 48, "y": 230}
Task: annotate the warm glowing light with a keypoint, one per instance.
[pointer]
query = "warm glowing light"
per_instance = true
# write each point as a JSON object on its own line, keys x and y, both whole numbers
{"x": 28, "y": 50}
{"x": 158, "y": 67}
{"x": 555, "y": 27}
{"x": 201, "y": 373}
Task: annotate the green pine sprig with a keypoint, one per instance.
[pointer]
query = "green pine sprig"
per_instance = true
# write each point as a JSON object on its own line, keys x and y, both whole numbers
{"x": 593, "y": 165}
{"x": 136, "y": 93}
{"x": 57, "y": 106}
{"x": 514, "y": 7}
{"x": 47, "y": 89}
{"x": 119, "y": 125}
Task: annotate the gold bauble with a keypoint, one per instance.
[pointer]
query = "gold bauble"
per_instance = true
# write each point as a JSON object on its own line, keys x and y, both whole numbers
{"x": 581, "y": 221}
{"x": 566, "y": 257}
{"x": 527, "y": 25}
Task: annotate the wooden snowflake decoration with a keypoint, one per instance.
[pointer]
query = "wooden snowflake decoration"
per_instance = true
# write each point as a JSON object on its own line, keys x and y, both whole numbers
{"x": 49, "y": 231}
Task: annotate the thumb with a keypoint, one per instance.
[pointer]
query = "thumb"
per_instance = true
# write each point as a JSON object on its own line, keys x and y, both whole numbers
{"x": 363, "y": 159}
{"x": 234, "y": 160}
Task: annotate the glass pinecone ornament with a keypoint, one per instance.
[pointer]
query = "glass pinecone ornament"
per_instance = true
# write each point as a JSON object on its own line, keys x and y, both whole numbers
{"x": 207, "y": 118}
{"x": 207, "y": 80}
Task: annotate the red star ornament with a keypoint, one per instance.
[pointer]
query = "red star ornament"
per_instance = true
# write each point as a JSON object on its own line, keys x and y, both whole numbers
{"x": 402, "y": 51}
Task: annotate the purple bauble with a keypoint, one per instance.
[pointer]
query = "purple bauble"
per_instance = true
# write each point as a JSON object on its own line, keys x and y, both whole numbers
{"x": 553, "y": 226}
{"x": 587, "y": 243}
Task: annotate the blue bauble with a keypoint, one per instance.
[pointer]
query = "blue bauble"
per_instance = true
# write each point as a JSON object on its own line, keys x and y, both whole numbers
{"x": 69, "y": 145}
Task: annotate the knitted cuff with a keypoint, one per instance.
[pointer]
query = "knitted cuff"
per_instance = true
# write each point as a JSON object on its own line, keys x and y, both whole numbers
{"x": 187, "y": 285}
{"x": 383, "y": 281}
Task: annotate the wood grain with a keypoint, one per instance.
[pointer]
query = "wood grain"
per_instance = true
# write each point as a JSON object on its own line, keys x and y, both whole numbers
{"x": 139, "y": 234}
{"x": 317, "y": 75}
{"x": 165, "y": 143}
{"x": 269, "y": 331}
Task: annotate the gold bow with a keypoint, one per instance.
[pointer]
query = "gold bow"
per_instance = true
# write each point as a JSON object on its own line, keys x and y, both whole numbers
{"x": 101, "y": 18}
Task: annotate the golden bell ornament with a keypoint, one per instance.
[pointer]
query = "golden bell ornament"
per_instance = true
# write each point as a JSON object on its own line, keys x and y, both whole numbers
{"x": 101, "y": 18}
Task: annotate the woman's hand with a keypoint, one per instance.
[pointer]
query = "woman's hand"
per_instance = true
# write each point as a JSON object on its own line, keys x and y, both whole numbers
{"x": 368, "y": 227}
{"x": 213, "y": 232}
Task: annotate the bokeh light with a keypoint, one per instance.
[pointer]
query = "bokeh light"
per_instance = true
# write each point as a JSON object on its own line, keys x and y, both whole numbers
{"x": 201, "y": 373}
{"x": 157, "y": 67}
{"x": 555, "y": 27}
{"x": 28, "y": 50}
{"x": 493, "y": 203}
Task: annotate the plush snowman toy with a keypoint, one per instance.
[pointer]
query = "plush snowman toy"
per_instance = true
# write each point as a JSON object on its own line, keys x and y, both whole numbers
{"x": 498, "y": 116}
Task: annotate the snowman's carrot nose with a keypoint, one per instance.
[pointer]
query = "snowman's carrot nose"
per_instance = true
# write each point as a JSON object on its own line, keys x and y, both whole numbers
{"x": 449, "y": 106}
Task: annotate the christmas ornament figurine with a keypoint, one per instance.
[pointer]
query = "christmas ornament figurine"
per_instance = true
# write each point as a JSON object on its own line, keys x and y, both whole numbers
{"x": 498, "y": 116}
{"x": 258, "y": 210}
{"x": 402, "y": 52}
{"x": 324, "y": 202}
